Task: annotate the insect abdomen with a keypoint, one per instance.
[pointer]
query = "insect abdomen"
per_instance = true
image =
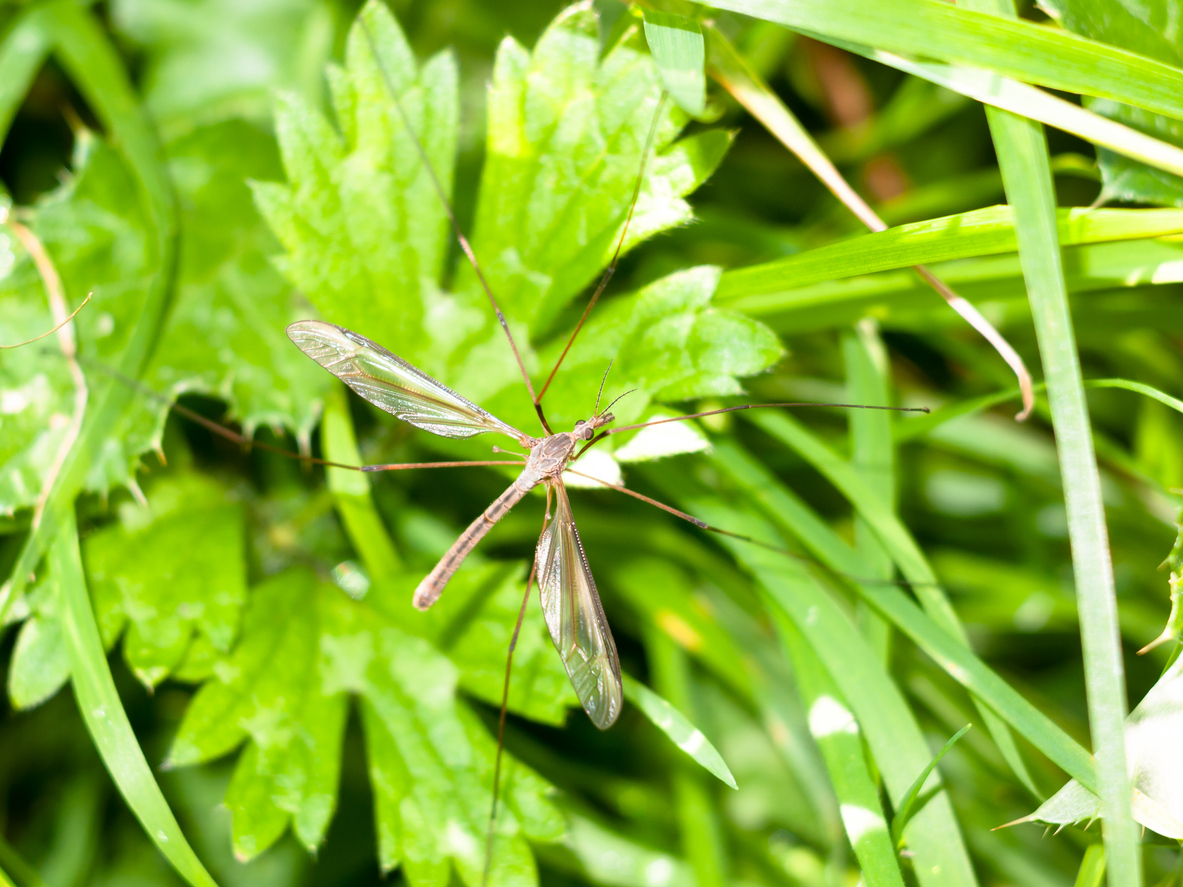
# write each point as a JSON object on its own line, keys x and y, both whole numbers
{"x": 433, "y": 584}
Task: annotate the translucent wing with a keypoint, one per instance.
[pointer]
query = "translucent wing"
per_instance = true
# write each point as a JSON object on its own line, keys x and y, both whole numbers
{"x": 576, "y": 618}
{"x": 389, "y": 382}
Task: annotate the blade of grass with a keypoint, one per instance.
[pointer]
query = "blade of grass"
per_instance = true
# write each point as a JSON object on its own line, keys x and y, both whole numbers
{"x": 23, "y": 48}
{"x": 838, "y": 736}
{"x": 1092, "y": 867}
{"x": 795, "y": 518}
{"x": 351, "y": 491}
{"x": 678, "y": 728}
{"x": 1026, "y": 176}
{"x": 677, "y": 45}
{"x": 1035, "y": 104}
{"x": 697, "y": 820}
{"x": 981, "y": 232}
{"x": 746, "y": 86}
{"x": 102, "y": 711}
{"x": 898, "y": 298}
{"x": 1023, "y": 50}
{"x": 11, "y": 861}
{"x": 892, "y": 734}
{"x": 900, "y": 820}
{"x": 873, "y": 455}
{"x": 923, "y": 425}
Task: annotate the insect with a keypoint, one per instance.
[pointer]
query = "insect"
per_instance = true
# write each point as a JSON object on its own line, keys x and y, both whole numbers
{"x": 570, "y": 602}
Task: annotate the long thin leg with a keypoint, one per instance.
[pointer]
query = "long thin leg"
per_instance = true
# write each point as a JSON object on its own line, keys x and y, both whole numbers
{"x": 237, "y": 438}
{"x": 460, "y": 238}
{"x": 764, "y": 406}
{"x": 70, "y": 317}
{"x": 513, "y": 642}
{"x": 611, "y": 269}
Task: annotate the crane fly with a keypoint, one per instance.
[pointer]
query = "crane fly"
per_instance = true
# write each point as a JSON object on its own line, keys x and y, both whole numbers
{"x": 570, "y": 603}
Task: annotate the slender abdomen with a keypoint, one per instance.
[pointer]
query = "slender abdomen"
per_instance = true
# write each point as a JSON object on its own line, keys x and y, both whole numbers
{"x": 434, "y": 582}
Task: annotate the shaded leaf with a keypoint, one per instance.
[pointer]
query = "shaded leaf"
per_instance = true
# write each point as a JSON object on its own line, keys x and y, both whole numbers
{"x": 1148, "y": 29}
{"x": 216, "y": 58}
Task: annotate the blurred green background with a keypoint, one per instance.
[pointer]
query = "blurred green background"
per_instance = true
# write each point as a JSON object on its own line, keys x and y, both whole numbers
{"x": 981, "y": 494}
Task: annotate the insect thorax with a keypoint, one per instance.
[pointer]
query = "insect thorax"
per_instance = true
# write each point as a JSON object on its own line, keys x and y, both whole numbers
{"x": 549, "y": 456}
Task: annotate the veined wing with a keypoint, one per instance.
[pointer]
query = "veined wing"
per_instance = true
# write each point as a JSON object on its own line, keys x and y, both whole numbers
{"x": 575, "y": 617}
{"x": 389, "y": 382}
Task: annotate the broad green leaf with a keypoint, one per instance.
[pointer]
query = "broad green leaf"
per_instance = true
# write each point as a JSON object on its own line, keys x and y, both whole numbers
{"x": 215, "y": 59}
{"x": 681, "y": 732}
{"x": 224, "y": 333}
{"x": 96, "y": 231}
{"x": 170, "y": 572}
{"x": 305, "y": 649}
{"x": 667, "y": 342}
{"x": 1145, "y": 29}
{"x": 40, "y": 665}
{"x": 364, "y": 230}
{"x": 149, "y": 577}
{"x": 89, "y": 58}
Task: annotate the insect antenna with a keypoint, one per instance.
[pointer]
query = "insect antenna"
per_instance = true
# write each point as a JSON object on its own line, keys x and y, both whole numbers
{"x": 600, "y": 393}
{"x": 618, "y": 399}
{"x": 779, "y": 549}
{"x": 746, "y": 406}
{"x": 513, "y": 642}
{"x": 611, "y": 269}
{"x": 460, "y": 238}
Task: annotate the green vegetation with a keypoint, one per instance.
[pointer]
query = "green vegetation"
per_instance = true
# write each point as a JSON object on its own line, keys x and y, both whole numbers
{"x": 213, "y": 671}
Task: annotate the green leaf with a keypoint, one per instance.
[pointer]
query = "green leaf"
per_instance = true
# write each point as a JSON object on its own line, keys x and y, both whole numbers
{"x": 305, "y": 649}
{"x": 96, "y": 231}
{"x": 680, "y": 52}
{"x": 90, "y": 59}
{"x": 362, "y": 225}
{"x": 40, "y": 665}
{"x": 681, "y": 732}
{"x": 148, "y": 574}
{"x": 149, "y": 578}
